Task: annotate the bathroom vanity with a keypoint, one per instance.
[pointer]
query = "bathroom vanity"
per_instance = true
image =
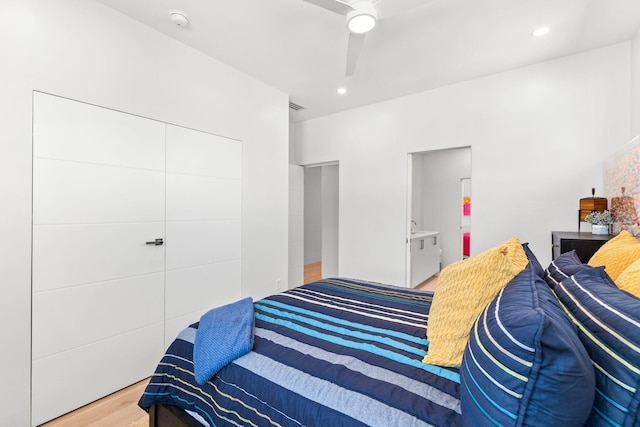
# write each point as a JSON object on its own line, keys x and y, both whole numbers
{"x": 425, "y": 255}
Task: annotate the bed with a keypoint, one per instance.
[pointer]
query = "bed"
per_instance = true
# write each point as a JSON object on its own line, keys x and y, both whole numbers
{"x": 336, "y": 352}
{"x": 510, "y": 343}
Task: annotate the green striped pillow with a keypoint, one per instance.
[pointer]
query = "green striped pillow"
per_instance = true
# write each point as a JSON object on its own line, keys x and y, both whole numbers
{"x": 524, "y": 362}
{"x": 608, "y": 321}
{"x": 564, "y": 266}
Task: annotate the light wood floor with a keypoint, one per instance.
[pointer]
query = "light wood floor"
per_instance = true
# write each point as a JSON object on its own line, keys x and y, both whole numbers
{"x": 121, "y": 408}
{"x": 116, "y": 410}
{"x": 313, "y": 272}
{"x": 429, "y": 284}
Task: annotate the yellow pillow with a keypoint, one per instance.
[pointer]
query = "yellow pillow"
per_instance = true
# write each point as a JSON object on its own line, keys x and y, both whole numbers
{"x": 629, "y": 279}
{"x": 617, "y": 254}
{"x": 622, "y": 239}
{"x": 464, "y": 289}
{"x": 516, "y": 254}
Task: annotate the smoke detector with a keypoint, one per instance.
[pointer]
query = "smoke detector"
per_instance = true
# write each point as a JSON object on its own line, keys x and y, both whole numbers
{"x": 179, "y": 18}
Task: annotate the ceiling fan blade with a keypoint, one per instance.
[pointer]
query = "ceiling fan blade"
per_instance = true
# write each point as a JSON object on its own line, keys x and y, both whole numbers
{"x": 332, "y": 5}
{"x": 354, "y": 48}
{"x": 388, "y": 8}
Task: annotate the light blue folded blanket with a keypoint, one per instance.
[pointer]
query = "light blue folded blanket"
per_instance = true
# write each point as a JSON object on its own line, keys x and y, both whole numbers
{"x": 224, "y": 334}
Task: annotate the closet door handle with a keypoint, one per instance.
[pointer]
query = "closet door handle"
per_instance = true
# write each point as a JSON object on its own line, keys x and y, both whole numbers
{"x": 157, "y": 242}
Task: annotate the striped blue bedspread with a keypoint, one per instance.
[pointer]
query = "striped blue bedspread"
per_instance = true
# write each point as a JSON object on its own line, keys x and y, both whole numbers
{"x": 332, "y": 353}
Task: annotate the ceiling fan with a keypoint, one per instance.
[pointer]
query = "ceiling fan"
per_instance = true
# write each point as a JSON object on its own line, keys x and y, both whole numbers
{"x": 361, "y": 17}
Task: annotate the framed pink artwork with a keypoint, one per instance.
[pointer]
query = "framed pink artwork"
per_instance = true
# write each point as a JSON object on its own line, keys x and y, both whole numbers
{"x": 622, "y": 187}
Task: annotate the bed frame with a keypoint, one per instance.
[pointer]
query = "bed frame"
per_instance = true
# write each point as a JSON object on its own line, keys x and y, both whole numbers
{"x": 170, "y": 416}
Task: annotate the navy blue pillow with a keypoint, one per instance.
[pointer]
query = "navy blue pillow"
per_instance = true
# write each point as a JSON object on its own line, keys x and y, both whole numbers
{"x": 524, "y": 364}
{"x": 564, "y": 266}
{"x": 537, "y": 268}
{"x": 608, "y": 321}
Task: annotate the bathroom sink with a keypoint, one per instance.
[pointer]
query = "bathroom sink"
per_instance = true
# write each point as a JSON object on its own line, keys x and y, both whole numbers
{"x": 421, "y": 234}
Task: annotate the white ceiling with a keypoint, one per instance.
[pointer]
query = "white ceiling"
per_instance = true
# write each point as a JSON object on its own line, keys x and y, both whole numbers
{"x": 300, "y": 48}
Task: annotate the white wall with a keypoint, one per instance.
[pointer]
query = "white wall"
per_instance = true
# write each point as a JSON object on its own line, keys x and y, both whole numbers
{"x": 312, "y": 215}
{"x": 86, "y": 51}
{"x": 635, "y": 85}
{"x": 292, "y": 143}
{"x": 330, "y": 220}
{"x": 417, "y": 192}
{"x": 538, "y": 136}
{"x": 296, "y": 226}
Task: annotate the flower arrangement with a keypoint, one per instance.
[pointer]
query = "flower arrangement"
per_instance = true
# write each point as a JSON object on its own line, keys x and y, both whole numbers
{"x": 599, "y": 218}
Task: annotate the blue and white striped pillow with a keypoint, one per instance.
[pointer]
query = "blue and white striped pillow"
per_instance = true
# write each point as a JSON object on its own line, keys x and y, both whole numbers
{"x": 533, "y": 260}
{"x": 524, "y": 362}
{"x": 564, "y": 266}
{"x": 608, "y": 321}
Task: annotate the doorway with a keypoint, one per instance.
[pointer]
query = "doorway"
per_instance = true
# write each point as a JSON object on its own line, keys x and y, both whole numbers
{"x": 435, "y": 204}
{"x": 465, "y": 219}
{"x": 321, "y": 227}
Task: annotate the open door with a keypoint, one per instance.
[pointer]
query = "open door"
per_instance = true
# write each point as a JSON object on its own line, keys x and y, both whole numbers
{"x": 321, "y": 221}
{"x": 435, "y": 205}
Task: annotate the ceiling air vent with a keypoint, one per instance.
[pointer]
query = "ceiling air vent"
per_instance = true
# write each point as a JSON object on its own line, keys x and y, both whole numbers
{"x": 295, "y": 107}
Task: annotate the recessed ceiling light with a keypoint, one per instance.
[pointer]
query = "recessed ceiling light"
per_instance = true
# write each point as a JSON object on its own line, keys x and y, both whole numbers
{"x": 342, "y": 90}
{"x": 539, "y": 32}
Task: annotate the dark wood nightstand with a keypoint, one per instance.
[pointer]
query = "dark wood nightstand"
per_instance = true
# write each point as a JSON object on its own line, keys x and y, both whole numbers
{"x": 585, "y": 244}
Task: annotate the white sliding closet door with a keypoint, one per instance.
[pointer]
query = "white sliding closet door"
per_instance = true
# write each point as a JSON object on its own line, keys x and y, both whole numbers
{"x": 98, "y": 289}
{"x": 204, "y": 211}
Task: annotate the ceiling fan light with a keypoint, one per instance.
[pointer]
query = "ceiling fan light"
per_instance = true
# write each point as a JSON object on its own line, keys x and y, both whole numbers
{"x": 360, "y": 24}
{"x": 362, "y": 18}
